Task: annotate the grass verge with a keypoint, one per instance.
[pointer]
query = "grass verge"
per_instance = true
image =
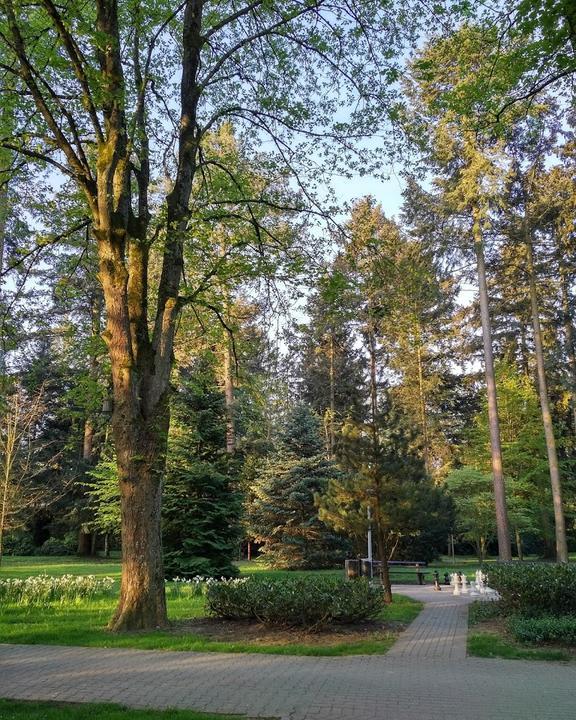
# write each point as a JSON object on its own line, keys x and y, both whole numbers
{"x": 84, "y": 623}
{"x": 25, "y": 710}
{"x": 491, "y": 645}
{"x": 491, "y": 639}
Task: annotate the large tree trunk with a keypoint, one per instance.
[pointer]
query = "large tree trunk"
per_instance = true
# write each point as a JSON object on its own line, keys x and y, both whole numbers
{"x": 140, "y": 421}
{"x": 332, "y": 381}
{"x": 422, "y": 405}
{"x": 569, "y": 338}
{"x": 503, "y": 530}
{"x": 559, "y": 522}
{"x": 383, "y": 555}
{"x": 141, "y": 451}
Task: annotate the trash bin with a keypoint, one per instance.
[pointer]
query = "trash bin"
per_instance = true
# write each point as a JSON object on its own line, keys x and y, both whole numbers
{"x": 352, "y": 568}
{"x": 367, "y": 568}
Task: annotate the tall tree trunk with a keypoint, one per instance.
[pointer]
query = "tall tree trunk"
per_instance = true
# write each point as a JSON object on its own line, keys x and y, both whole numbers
{"x": 422, "y": 405}
{"x": 141, "y": 454}
{"x": 383, "y": 555}
{"x": 332, "y": 380}
{"x": 555, "y": 482}
{"x": 373, "y": 376}
{"x": 229, "y": 398}
{"x": 503, "y": 530}
{"x": 570, "y": 340}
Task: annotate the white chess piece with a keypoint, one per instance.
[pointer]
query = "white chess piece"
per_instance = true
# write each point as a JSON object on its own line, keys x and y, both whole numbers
{"x": 456, "y": 584}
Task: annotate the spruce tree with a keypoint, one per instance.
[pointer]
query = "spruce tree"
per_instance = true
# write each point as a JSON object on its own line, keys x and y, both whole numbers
{"x": 283, "y": 515}
{"x": 202, "y": 508}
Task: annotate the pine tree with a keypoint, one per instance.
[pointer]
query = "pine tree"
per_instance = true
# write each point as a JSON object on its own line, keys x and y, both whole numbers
{"x": 384, "y": 478}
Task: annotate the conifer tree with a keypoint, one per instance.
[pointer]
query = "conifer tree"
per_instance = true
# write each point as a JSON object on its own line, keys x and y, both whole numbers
{"x": 385, "y": 479}
{"x": 283, "y": 515}
{"x": 202, "y": 508}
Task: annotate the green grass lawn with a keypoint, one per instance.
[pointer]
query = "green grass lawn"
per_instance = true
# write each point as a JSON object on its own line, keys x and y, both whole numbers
{"x": 84, "y": 623}
{"x": 491, "y": 645}
{"x": 22, "y": 567}
{"x": 24, "y": 710}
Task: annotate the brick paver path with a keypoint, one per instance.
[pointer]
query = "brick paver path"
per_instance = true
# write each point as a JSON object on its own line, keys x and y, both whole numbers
{"x": 426, "y": 676}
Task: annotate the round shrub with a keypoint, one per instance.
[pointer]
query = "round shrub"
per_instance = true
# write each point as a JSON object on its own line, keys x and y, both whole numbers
{"x": 55, "y": 546}
{"x": 535, "y": 588}
{"x": 19, "y": 543}
{"x": 290, "y": 602}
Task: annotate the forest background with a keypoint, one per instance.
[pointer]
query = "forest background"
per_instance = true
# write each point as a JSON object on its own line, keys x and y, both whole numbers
{"x": 191, "y": 308}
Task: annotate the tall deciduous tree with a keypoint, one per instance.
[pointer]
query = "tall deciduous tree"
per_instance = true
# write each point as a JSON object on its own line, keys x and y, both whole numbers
{"x": 97, "y": 104}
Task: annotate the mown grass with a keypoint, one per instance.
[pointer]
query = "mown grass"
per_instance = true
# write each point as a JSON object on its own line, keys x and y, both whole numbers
{"x": 491, "y": 645}
{"x": 21, "y": 567}
{"x": 24, "y": 710}
{"x": 84, "y": 623}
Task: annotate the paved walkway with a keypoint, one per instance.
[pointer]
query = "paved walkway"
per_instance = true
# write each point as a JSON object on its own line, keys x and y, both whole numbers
{"x": 426, "y": 676}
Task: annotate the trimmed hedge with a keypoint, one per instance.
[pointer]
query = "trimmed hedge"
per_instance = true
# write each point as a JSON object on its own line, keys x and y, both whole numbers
{"x": 544, "y": 629}
{"x": 299, "y": 601}
{"x": 532, "y": 589}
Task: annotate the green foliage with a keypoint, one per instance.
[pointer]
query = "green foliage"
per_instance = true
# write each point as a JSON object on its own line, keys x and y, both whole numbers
{"x": 301, "y": 435}
{"x": 19, "y": 543}
{"x": 55, "y": 546}
{"x": 547, "y": 628}
{"x": 473, "y": 496}
{"x": 283, "y": 514}
{"x": 535, "y": 588}
{"x": 103, "y": 494}
{"x": 481, "y": 610}
{"x": 524, "y": 458}
{"x": 200, "y": 521}
{"x": 202, "y": 508}
{"x": 384, "y": 473}
{"x": 299, "y": 601}
{"x": 331, "y": 369}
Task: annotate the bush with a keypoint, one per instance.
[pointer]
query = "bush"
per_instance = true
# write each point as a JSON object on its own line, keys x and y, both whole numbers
{"x": 481, "y": 610}
{"x": 56, "y": 546}
{"x": 301, "y": 601}
{"x": 531, "y": 589}
{"x": 19, "y": 543}
{"x": 544, "y": 629}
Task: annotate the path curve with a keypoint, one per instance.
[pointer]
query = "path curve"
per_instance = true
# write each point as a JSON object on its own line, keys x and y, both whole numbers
{"x": 425, "y": 676}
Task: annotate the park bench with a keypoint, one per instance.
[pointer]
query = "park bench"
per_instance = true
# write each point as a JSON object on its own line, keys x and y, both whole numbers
{"x": 361, "y": 567}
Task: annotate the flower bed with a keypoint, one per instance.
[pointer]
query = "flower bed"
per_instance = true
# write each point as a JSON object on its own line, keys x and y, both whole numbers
{"x": 40, "y": 590}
